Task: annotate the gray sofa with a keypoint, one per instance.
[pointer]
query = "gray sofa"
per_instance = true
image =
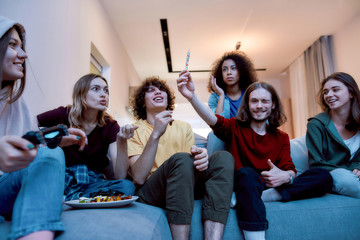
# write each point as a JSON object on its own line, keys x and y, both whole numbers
{"x": 331, "y": 217}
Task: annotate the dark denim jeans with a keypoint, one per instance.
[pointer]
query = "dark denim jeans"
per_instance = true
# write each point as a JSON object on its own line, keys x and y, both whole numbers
{"x": 248, "y": 188}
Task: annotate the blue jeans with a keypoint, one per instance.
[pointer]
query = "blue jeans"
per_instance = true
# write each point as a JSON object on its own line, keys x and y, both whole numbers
{"x": 345, "y": 182}
{"x": 32, "y": 196}
{"x": 214, "y": 143}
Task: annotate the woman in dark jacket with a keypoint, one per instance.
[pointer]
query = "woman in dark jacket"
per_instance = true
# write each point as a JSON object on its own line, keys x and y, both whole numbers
{"x": 333, "y": 137}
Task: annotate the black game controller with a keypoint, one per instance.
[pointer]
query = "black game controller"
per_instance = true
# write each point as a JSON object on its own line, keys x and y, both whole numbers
{"x": 50, "y": 137}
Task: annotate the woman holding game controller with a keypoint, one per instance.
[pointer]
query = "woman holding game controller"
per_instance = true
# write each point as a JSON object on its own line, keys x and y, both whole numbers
{"x": 30, "y": 173}
{"x": 230, "y": 76}
{"x": 86, "y": 168}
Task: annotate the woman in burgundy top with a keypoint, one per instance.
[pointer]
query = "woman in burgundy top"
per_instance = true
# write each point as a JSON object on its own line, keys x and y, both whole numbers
{"x": 87, "y": 167}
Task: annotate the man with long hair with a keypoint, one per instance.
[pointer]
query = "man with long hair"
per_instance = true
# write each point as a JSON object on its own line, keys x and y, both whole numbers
{"x": 261, "y": 152}
{"x": 170, "y": 171}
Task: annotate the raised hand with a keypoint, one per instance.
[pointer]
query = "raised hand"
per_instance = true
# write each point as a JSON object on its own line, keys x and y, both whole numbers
{"x": 15, "y": 153}
{"x": 161, "y": 122}
{"x": 219, "y": 91}
{"x": 201, "y": 158}
{"x": 186, "y": 85}
{"x": 275, "y": 177}
{"x": 127, "y": 131}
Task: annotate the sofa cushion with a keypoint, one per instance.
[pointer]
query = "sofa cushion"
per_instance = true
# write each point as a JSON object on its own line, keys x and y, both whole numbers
{"x": 330, "y": 217}
{"x": 135, "y": 221}
{"x": 4, "y": 230}
{"x": 200, "y": 141}
{"x": 299, "y": 154}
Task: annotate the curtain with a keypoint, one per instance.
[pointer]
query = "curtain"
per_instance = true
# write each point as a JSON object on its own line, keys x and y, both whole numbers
{"x": 299, "y": 96}
{"x": 305, "y": 75}
{"x": 319, "y": 64}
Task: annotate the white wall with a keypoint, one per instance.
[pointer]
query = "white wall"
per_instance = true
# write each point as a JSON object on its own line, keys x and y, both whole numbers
{"x": 185, "y": 112}
{"x": 59, "y": 36}
{"x": 347, "y": 48}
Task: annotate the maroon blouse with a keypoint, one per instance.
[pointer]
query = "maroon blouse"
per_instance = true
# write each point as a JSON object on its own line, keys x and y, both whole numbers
{"x": 94, "y": 154}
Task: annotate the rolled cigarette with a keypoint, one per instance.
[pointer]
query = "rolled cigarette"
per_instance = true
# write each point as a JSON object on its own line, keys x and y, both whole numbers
{"x": 187, "y": 60}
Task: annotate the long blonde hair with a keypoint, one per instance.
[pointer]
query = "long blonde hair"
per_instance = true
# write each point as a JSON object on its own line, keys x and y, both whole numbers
{"x": 81, "y": 88}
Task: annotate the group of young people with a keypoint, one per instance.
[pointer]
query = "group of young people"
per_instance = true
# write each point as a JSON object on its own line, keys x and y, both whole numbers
{"x": 156, "y": 157}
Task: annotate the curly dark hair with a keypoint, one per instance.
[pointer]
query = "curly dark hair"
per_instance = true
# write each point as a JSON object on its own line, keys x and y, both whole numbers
{"x": 244, "y": 66}
{"x": 350, "y": 83}
{"x": 277, "y": 116}
{"x": 138, "y": 99}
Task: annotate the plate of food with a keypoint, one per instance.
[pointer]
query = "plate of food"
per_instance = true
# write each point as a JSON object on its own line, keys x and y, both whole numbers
{"x": 102, "y": 200}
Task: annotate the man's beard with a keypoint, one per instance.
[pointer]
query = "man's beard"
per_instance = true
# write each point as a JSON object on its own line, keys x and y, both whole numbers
{"x": 260, "y": 120}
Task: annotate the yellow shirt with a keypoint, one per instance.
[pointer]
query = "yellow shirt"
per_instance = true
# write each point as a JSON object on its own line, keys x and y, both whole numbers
{"x": 178, "y": 137}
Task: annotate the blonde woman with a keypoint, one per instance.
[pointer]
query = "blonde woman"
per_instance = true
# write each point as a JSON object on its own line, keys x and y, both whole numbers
{"x": 86, "y": 167}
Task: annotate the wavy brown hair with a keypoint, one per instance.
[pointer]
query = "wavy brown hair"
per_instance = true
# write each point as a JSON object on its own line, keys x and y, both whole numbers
{"x": 76, "y": 114}
{"x": 245, "y": 67}
{"x": 138, "y": 99}
{"x": 14, "y": 90}
{"x": 350, "y": 83}
{"x": 277, "y": 116}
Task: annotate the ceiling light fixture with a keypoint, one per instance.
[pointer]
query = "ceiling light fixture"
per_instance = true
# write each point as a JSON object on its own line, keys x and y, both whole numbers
{"x": 238, "y": 45}
{"x": 166, "y": 40}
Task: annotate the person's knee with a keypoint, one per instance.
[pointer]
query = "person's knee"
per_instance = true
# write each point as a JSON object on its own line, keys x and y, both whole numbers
{"x": 345, "y": 182}
{"x": 128, "y": 187}
{"x": 247, "y": 179}
{"x": 222, "y": 159}
{"x": 324, "y": 176}
{"x": 54, "y": 156}
{"x": 342, "y": 177}
{"x": 182, "y": 163}
{"x": 245, "y": 173}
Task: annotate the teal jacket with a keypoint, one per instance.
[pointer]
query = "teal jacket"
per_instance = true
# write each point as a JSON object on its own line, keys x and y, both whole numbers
{"x": 326, "y": 148}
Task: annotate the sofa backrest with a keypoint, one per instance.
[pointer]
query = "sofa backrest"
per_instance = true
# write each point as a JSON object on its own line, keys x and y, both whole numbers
{"x": 299, "y": 154}
{"x": 200, "y": 141}
{"x": 299, "y": 151}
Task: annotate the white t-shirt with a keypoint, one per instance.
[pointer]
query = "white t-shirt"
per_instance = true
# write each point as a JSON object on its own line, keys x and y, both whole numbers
{"x": 353, "y": 144}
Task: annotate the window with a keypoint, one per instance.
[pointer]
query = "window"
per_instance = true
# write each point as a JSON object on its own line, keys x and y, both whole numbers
{"x": 95, "y": 66}
{"x": 99, "y": 65}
